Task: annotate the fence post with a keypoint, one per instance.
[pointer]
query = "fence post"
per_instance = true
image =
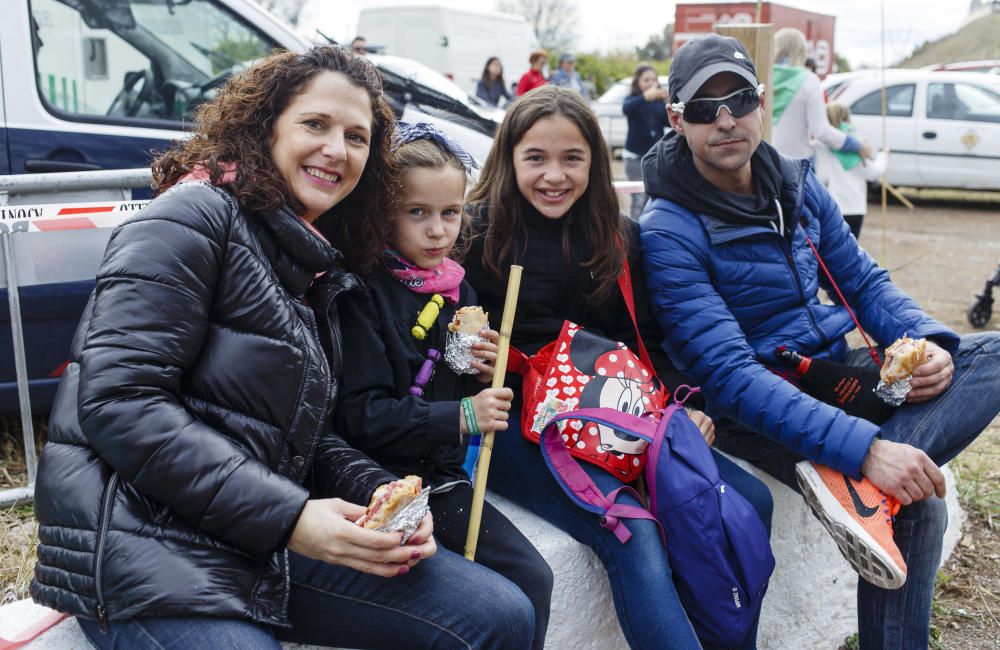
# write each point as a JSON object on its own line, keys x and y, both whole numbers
{"x": 15, "y": 189}
{"x": 20, "y": 361}
{"x": 759, "y": 41}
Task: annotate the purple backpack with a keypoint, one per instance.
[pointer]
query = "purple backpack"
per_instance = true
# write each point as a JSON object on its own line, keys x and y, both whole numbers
{"x": 717, "y": 546}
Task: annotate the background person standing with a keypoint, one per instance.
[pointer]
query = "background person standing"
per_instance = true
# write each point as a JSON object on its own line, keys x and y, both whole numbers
{"x": 646, "y": 111}
{"x": 491, "y": 86}
{"x": 534, "y": 77}
{"x": 566, "y": 75}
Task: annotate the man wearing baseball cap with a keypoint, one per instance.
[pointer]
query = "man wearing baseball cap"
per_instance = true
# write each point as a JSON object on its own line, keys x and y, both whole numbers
{"x": 567, "y": 75}
{"x": 728, "y": 244}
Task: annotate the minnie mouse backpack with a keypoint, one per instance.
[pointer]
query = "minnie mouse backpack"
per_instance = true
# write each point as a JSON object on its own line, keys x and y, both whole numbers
{"x": 583, "y": 370}
{"x": 717, "y": 546}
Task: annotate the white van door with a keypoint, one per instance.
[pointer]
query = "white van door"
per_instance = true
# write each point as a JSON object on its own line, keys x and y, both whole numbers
{"x": 960, "y": 136}
{"x": 102, "y": 84}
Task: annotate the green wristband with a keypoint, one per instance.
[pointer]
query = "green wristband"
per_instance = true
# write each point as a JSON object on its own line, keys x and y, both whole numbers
{"x": 470, "y": 417}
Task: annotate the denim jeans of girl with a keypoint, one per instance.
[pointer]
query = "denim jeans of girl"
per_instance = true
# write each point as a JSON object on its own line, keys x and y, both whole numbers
{"x": 648, "y": 608}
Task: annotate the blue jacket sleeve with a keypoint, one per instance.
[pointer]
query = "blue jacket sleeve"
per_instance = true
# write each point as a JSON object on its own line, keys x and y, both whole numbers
{"x": 885, "y": 311}
{"x": 633, "y": 104}
{"x": 709, "y": 345}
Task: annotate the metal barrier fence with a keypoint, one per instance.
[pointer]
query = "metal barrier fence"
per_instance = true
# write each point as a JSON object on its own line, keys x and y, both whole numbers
{"x": 51, "y": 232}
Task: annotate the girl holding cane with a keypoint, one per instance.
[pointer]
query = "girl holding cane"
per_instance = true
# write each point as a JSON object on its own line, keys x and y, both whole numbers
{"x": 415, "y": 396}
{"x": 545, "y": 200}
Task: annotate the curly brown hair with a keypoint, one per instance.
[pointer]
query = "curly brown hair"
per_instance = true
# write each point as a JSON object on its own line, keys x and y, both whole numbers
{"x": 237, "y": 126}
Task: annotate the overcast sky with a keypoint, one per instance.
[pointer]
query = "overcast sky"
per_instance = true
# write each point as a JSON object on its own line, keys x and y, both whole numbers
{"x": 611, "y": 24}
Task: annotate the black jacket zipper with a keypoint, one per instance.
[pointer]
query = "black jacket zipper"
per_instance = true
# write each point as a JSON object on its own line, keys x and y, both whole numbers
{"x": 102, "y": 534}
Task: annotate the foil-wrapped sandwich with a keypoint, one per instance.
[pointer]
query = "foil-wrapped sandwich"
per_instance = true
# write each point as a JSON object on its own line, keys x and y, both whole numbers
{"x": 901, "y": 358}
{"x": 397, "y": 507}
{"x": 463, "y": 332}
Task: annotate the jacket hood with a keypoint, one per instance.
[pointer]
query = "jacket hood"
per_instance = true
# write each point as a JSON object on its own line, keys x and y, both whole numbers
{"x": 297, "y": 253}
{"x": 668, "y": 172}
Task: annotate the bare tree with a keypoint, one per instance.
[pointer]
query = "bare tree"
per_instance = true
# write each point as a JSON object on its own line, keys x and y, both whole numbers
{"x": 290, "y": 10}
{"x": 553, "y": 20}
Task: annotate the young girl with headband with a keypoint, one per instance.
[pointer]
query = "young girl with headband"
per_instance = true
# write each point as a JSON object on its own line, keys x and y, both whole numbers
{"x": 413, "y": 398}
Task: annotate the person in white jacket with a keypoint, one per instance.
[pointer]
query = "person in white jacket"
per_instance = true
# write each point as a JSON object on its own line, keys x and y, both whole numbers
{"x": 846, "y": 175}
{"x": 798, "y": 107}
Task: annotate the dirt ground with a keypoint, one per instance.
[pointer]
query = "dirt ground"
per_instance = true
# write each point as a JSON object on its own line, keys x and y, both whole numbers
{"x": 941, "y": 253}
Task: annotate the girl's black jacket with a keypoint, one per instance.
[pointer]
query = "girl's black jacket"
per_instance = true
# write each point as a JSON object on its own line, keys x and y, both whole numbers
{"x": 554, "y": 290}
{"x": 376, "y": 413}
{"x": 195, "y": 411}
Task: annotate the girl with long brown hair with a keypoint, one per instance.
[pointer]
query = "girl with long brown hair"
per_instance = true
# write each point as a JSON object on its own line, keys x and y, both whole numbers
{"x": 545, "y": 200}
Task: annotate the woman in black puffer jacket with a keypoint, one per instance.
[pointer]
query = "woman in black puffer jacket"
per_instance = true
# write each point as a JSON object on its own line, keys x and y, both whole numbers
{"x": 192, "y": 492}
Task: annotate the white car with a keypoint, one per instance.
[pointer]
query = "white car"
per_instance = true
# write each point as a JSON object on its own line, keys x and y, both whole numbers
{"x": 608, "y": 108}
{"x": 419, "y": 93}
{"x": 942, "y": 128}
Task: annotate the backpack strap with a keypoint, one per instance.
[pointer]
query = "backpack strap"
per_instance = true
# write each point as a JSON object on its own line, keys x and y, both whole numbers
{"x": 578, "y": 485}
{"x": 517, "y": 361}
{"x": 625, "y": 284}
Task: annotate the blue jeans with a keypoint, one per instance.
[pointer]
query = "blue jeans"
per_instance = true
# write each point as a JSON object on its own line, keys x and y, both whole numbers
{"x": 440, "y": 604}
{"x": 649, "y": 611}
{"x": 941, "y": 427}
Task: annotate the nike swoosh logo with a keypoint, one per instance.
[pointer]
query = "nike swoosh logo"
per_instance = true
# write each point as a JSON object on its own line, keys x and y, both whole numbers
{"x": 859, "y": 505}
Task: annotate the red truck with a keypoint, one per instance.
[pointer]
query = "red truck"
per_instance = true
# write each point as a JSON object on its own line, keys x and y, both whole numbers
{"x": 693, "y": 19}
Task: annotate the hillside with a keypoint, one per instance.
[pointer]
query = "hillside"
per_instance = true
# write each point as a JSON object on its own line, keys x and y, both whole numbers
{"x": 977, "y": 40}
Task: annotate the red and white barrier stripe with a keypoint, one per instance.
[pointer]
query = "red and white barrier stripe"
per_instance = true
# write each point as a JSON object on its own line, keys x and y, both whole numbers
{"x": 67, "y": 216}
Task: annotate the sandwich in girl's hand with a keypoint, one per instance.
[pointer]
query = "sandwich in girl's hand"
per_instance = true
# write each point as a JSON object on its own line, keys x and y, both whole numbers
{"x": 463, "y": 333}
{"x": 390, "y": 500}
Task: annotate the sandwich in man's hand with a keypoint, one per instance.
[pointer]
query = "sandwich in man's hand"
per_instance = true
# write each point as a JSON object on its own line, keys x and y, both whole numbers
{"x": 901, "y": 358}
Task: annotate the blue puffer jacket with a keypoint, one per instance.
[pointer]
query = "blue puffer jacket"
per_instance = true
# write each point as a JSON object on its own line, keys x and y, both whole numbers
{"x": 727, "y": 294}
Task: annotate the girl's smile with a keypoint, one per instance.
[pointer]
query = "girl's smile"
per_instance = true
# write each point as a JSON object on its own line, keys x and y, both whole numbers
{"x": 552, "y": 165}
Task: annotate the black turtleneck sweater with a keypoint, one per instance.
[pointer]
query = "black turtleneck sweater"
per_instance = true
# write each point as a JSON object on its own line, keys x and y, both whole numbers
{"x": 554, "y": 290}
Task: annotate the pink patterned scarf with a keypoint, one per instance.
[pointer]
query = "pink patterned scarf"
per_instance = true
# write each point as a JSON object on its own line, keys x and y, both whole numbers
{"x": 444, "y": 279}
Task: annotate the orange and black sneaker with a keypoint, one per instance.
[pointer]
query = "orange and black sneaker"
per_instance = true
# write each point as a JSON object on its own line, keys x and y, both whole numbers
{"x": 859, "y": 516}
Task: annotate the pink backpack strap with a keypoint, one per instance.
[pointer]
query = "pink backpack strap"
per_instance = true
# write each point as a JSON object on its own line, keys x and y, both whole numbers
{"x": 578, "y": 485}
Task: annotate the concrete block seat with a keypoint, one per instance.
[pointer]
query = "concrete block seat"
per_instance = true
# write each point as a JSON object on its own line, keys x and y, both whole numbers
{"x": 810, "y": 602}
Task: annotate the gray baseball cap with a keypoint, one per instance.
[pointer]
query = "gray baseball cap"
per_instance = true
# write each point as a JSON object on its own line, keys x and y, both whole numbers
{"x": 699, "y": 60}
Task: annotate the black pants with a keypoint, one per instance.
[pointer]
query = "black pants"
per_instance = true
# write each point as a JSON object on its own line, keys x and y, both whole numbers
{"x": 501, "y": 547}
{"x": 854, "y": 221}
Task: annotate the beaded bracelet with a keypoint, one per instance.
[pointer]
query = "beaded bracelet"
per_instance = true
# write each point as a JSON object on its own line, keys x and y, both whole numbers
{"x": 470, "y": 417}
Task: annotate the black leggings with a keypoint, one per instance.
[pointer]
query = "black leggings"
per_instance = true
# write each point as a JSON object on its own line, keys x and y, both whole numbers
{"x": 501, "y": 547}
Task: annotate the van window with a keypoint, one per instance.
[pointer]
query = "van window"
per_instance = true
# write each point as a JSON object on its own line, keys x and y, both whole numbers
{"x": 898, "y": 102}
{"x": 961, "y": 101}
{"x": 127, "y": 61}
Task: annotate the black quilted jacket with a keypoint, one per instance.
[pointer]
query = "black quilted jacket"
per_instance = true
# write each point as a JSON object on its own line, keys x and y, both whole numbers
{"x": 194, "y": 417}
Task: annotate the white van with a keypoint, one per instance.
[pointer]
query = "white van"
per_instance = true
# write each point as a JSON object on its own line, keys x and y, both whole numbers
{"x": 98, "y": 84}
{"x": 455, "y": 42}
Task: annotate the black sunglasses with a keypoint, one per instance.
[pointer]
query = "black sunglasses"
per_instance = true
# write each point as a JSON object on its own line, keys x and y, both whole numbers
{"x": 705, "y": 110}
{"x": 360, "y": 50}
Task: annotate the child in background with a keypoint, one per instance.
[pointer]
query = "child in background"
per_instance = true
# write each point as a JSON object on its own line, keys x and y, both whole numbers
{"x": 411, "y": 423}
{"x": 846, "y": 174}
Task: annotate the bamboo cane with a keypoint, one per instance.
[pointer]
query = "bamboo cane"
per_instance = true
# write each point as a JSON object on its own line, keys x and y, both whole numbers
{"x": 486, "y": 445}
